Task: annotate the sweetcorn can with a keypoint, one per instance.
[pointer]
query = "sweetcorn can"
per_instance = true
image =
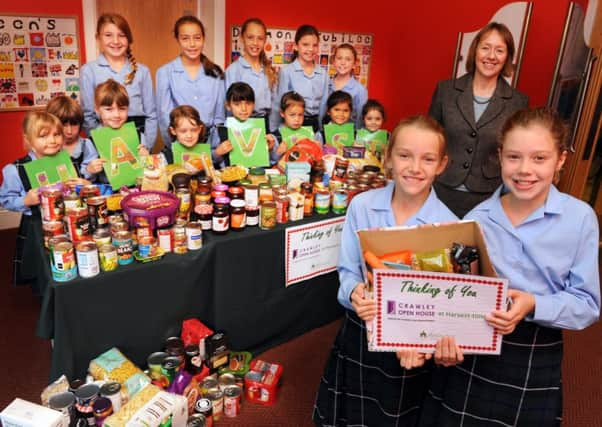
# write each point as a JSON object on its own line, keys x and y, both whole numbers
{"x": 87, "y": 259}
{"x": 107, "y": 255}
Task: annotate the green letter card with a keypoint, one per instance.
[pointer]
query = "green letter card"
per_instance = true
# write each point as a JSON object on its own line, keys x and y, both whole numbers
{"x": 249, "y": 147}
{"x": 374, "y": 142}
{"x": 183, "y": 154}
{"x": 339, "y": 135}
{"x": 119, "y": 147}
{"x": 50, "y": 170}
{"x": 291, "y": 136}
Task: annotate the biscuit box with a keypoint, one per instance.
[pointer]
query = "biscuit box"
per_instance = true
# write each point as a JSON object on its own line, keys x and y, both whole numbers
{"x": 445, "y": 309}
{"x": 261, "y": 382}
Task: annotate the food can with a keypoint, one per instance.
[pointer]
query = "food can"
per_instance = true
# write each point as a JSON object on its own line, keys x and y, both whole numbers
{"x": 207, "y": 384}
{"x": 267, "y": 215}
{"x": 322, "y": 201}
{"x": 155, "y": 361}
{"x": 217, "y": 401}
{"x": 122, "y": 240}
{"x": 102, "y": 408}
{"x": 165, "y": 238}
{"x": 72, "y": 201}
{"x": 339, "y": 201}
{"x": 180, "y": 241}
{"x": 281, "y": 208}
{"x": 197, "y": 420}
{"x": 55, "y": 240}
{"x": 52, "y": 206}
{"x": 102, "y": 236}
{"x": 51, "y": 229}
{"x": 107, "y": 255}
{"x": 118, "y": 226}
{"x": 97, "y": 212}
{"x": 145, "y": 246}
{"x": 112, "y": 391}
{"x": 63, "y": 402}
{"x": 78, "y": 227}
{"x": 225, "y": 380}
{"x": 88, "y": 191}
{"x": 169, "y": 367}
{"x": 204, "y": 407}
{"x": 194, "y": 236}
{"x": 86, "y": 394}
{"x": 87, "y": 259}
{"x": 62, "y": 262}
{"x": 232, "y": 394}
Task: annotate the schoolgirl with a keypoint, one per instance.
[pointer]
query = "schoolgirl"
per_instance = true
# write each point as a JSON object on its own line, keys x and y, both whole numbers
{"x": 345, "y": 57}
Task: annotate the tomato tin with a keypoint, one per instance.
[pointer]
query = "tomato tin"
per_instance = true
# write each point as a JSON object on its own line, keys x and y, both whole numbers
{"x": 262, "y": 381}
{"x": 62, "y": 262}
{"x": 51, "y": 202}
{"x": 232, "y": 395}
{"x": 87, "y": 259}
{"x": 51, "y": 229}
{"x": 78, "y": 227}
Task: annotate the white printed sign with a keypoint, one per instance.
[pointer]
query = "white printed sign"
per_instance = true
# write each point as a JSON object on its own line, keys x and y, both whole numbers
{"x": 312, "y": 249}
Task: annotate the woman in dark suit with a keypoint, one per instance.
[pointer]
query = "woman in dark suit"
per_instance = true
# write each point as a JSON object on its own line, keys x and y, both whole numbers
{"x": 472, "y": 109}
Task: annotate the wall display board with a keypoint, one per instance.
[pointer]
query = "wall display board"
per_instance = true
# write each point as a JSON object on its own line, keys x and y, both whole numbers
{"x": 39, "y": 59}
{"x": 280, "y": 43}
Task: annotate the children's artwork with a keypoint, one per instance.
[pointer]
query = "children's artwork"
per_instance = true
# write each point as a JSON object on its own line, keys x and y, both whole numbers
{"x": 339, "y": 135}
{"x": 37, "y": 55}
{"x": 182, "y": 154}
{"x": 249, "y": 147}
{"x": 50, "y": 170}
{"x": 279, "y": 48}
{"x": 375, "y": 142}
{"x": 292, "y": 136}
{"x": 119, "y": 148}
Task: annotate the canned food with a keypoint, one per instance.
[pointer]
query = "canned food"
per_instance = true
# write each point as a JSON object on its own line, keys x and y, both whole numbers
{"x": 339, "y": 201}
{"x": 118, "y": 226}
{"x": 112, "y": 391}
{"x": 62, "y": 262}
{"x": 72, "y": 201}
{"x": 322, "y": 202}
{"x": 281, "y": 208}
{"x": 145, "y": 246}
{"x": 169, "y": 367}
{"x": 78, "y": 227}
{"x": 51, "y": 229}
{"x": 217, "y": 401}
{"x": 197, "y": 420}
{"x": 101, "y": 236}
{"x": 87, "y": 259}
{"x": 165, "y": 238}
{"x": 63, "y": 402}
{"x": 232, "y": 395}
{"x": 155, "y": 361}
{"x": 97, "y": 212}
{"x": 194, "y": 236}
{"x": 107, "y": 255}
{"x": 207, "y": 384}
{"x": 86, "y": 394}
{"x": 226, "y": 380}
{"x": 180, "y": 241}
{"x": 88, "y": 191}
{"x": 122, "y": 240}
{"x": 204, "y": 407}
{"x": 52, "y": 206}
{"x": 103, "y": 407}
{"x": 267, "y": 215}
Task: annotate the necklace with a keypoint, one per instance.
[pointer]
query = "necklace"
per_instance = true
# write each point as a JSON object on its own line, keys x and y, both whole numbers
{"x": 481, "y": 101}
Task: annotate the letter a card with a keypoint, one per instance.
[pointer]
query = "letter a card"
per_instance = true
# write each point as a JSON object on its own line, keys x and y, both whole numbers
{"x": 119, "y": 147}
{"x": 249, "y": 147}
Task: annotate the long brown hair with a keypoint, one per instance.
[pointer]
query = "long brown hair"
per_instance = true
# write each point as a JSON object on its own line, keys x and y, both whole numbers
{"x": 302, "y": 31}
{"x": 211, "y": 69}
{"x": 121, "y": 23}
{"x": 270, "y": 72}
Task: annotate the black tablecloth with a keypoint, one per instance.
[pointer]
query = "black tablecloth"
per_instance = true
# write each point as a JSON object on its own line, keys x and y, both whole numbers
{"x": 235, "y": 284}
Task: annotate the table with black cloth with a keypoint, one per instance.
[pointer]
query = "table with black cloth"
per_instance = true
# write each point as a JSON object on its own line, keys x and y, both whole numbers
{"x": 235, "y": 284}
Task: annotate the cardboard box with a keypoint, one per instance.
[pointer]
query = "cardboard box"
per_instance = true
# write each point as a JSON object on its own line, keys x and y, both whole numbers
{"x": 21, "y": 413}
{"x": 389, "y": 332}
{"x": 427, "y": 238}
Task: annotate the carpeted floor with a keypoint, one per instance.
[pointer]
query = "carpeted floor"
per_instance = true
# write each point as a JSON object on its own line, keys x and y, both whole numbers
{"x": 26, "y": 358}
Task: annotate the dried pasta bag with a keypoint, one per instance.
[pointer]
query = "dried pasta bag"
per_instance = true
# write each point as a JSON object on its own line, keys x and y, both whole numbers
{"x": 112, "y": 365}
{"x": 438, "y": 260}
{"x": 59, "y": 386}
{"x": 151, "y": 407}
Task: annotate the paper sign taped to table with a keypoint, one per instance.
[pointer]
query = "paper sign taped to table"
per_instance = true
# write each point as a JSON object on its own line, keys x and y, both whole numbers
{"x": 312, "y": 249}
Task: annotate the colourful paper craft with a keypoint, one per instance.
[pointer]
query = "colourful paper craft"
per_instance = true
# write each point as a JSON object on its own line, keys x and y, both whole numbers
{"x": 50, "y": 170}
{"x": 339, "y": 135}
{"x": 249, "y": 147}
{"x": 182, "y": 154}
{"x": 375, "y": 142}
{"x": 291, "y": 136}
{"x": 119, "y": 147}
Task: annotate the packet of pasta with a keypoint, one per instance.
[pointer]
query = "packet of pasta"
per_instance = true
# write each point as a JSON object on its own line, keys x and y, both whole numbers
{"x": 112, "y": 365}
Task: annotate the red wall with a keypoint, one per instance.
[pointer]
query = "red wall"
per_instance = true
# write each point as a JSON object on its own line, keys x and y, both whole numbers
{"x": 10, "y": 122}
{"x": 414, "y": 42}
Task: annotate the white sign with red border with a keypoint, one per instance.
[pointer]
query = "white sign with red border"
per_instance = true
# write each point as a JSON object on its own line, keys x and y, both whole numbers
{"x": 312, "y": 249}
{"x": 416, "y": 308}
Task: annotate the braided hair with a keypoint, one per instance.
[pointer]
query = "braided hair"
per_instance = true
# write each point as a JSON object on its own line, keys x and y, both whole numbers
{"x": 121, "y": 23}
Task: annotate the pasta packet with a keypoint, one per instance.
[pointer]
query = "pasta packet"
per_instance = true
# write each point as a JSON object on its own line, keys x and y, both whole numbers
{"x": 112, "y": 365}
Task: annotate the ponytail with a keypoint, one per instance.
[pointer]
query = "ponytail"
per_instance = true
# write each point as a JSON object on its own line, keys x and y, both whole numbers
{"x": 130, "y": 77}
{"x": 211, "y": 69}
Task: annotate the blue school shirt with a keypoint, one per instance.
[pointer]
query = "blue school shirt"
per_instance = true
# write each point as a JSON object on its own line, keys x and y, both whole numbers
{"x": 359, "y": 95}
{"x": 85, "y": 146}
{"x": 241, "y": 71}
{"x": 140, "y": 93}
{"x": 205, "y": 93}
{"x": 12, "y": 192}
{"x": 314, "y": 89}
{"x": 369, "y": 210}
{"x": 553, "y": 254}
